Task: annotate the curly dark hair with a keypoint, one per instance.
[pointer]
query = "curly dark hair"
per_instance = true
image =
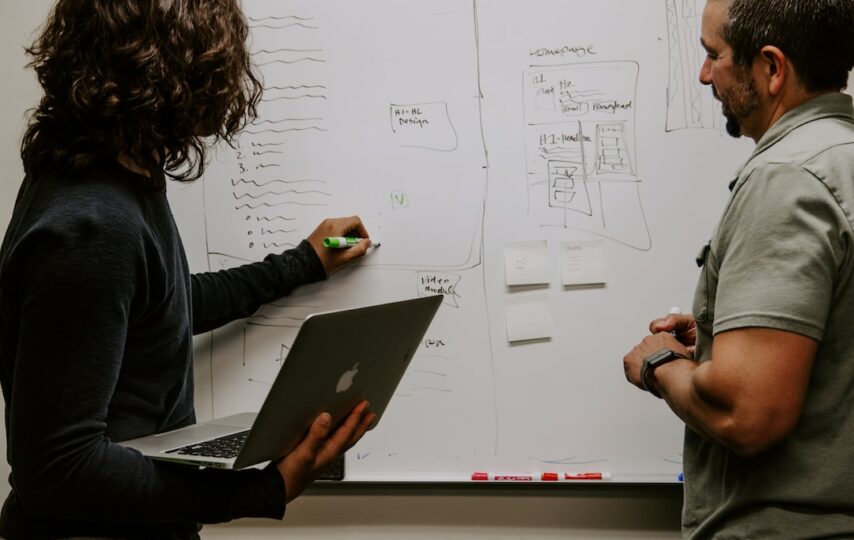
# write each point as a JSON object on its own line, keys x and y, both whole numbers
{"x": 814, "y": 34}
{"x": 152, "y": 81}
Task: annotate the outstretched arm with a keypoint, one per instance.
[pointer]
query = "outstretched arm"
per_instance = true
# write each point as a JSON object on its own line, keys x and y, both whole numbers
{"x": 224, "y": 296}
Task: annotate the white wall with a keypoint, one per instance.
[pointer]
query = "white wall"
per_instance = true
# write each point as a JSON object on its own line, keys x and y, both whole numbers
{"x": 365, "y": 513}
{"x": 19, "y": 92}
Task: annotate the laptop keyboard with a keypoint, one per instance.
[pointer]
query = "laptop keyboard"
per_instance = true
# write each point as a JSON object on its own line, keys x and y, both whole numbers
{"x": 225, "y": 447}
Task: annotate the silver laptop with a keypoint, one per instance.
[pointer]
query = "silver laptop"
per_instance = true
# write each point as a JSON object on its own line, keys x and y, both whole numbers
{"x": 338, "y": 359}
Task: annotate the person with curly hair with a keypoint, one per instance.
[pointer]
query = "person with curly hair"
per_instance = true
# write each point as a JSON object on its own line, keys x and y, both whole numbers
{"x": 97, "y": 305}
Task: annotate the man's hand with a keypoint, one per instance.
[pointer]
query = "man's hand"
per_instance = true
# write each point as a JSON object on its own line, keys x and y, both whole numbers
{"x": 333, "y": 259}
{"x": 633, "y": 360}
{"x": 319, "y": 449}
{"x": 683, "y": 327}
{"x": 674, "y": 331}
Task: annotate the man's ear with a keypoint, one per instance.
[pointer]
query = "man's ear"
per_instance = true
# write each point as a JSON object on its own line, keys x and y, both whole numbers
{"x": 775, "y": 68}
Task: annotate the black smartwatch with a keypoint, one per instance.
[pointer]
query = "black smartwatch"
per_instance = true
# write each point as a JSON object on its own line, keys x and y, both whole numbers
{"x": 652, "y": 361}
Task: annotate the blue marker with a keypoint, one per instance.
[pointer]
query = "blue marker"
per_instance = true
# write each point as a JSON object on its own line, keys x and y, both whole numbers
{"x": 681, "y": 477}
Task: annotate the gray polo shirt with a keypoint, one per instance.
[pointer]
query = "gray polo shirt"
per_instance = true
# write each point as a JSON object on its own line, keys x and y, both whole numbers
{"x": 782, "y": 257}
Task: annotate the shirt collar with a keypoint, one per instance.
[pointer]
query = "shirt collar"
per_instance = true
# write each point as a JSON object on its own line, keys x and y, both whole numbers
{"x": 832, "y": 104}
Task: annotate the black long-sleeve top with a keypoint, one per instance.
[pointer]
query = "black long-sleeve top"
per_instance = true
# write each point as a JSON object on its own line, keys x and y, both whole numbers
{"x": 97, "y": 313}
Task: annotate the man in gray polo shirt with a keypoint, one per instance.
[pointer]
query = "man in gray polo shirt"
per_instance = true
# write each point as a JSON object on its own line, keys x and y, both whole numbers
{"x": 762, "y": 372}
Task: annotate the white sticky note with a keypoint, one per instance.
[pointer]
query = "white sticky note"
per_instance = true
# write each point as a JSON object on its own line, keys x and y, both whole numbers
{"x": 526, "y": 263}
{"x": 583, "y": 263}
{"x": 528, "y": 318}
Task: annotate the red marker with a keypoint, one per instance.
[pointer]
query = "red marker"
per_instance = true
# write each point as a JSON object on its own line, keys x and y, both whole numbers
{"x": 587, "y": 476}
{"x": 486, "y": 477}
{"x": 562, "y": 477}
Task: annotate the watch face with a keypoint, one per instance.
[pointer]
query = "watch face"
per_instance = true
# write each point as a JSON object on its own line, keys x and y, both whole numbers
{"x": 658, "y": 356}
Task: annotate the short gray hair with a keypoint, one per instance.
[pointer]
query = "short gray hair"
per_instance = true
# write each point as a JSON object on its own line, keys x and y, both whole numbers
{"x": 816, "y": 35}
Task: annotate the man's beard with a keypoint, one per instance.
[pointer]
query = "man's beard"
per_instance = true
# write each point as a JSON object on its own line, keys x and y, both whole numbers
{"x": 733, "y": 126}
{"x": 738, "y": 102}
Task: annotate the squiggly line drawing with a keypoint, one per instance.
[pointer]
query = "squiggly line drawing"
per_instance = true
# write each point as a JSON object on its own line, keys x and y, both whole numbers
{"x": 296, "y": 87}
{"x": 258, "y": 132}
{"x": 271, "y": 27}
{"x": 304, "y": 96}
{"x": 295, "y": 191}
{"x": 275, "y": 51}
{"x": 261, "y": 184}
{"x": 285, "y": 120}
{"x": 264, "y": 145}
{"x": 274, "y": 218}
{"x": 297, "y": 61}
{"x": 274, "y": 18}
{"x": 267, "y": 205}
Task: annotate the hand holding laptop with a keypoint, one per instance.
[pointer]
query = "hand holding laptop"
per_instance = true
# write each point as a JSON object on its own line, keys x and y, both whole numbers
{"x": 319, "y": 449}
{"x": 319, "y": 374}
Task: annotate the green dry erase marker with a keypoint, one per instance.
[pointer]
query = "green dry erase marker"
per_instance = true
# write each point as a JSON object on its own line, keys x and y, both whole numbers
{"x": 341, "y": 241}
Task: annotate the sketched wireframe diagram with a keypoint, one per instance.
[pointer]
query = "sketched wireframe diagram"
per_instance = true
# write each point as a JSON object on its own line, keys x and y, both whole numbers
{"x": 321, "y": 116}
{"x": 689, "y": 104}
{"x": 365, "y": 112}
{"x": 580, "y": 121}
{"x": 339, "y": 132}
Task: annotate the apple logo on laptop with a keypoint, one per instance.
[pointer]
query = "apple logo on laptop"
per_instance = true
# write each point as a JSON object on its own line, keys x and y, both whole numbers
{"x": 346, "y": 380}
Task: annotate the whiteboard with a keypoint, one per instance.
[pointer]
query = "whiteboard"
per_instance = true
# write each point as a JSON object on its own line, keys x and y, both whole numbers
{"x": 453, "y": 128}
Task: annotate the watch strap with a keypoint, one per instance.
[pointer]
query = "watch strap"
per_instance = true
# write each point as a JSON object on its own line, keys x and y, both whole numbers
{"x": 652, "y": 361}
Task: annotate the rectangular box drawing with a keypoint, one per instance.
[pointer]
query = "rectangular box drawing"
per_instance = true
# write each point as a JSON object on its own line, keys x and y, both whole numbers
{"x": 580, "y": 122}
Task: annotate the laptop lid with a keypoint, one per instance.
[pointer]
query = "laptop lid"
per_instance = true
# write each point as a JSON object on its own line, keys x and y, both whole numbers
{"x": 338, "y": 359}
